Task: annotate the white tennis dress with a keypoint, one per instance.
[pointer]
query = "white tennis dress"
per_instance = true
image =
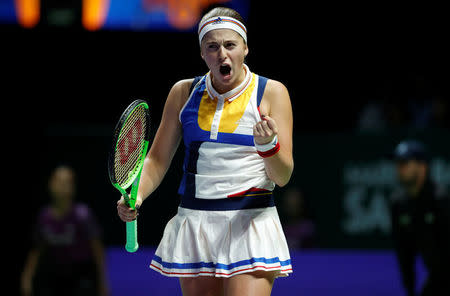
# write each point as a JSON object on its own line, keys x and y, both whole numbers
{"x": 227, "y": 223}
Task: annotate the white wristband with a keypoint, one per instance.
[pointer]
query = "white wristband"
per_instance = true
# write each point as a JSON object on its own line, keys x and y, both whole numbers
{"x": 268, "y": 146}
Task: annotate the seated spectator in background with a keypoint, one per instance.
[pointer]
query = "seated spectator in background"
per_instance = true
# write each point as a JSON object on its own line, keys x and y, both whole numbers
{"x": 432, "y": 113}
{"x": 440, "y": 113}
{"x": 376, "y": 116}
{"x": 297, "y": 225}
{"x": 67, "y": 257}
{"x": 372, "y": 117}
{"x": 421, "y": 113}
{"x": 396, "y": 114}
{"x": 420, "y": 221}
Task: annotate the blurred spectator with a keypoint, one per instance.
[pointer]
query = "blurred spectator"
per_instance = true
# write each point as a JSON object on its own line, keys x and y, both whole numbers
{"x": 297, "y": 225}
{"x": 440, "y": 113}
{"x": 420, "y": 221}
{"x": 382, "y": 114}
{"x": 67, "y": 256}
{"x": 372, "y": 117}
{"x": 430, "y": 113}
{"x": 425, "y": 107}
{"x": 396, "y": 114}
{"x": 421, "y": 112}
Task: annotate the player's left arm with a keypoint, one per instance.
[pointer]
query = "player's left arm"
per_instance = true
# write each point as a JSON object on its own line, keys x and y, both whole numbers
{"x": 276, "y": 111}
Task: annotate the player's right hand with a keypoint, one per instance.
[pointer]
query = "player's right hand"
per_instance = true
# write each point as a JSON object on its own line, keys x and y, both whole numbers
{"x": 126, "y": 214}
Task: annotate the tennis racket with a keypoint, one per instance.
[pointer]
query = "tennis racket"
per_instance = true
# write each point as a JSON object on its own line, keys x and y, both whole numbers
{"x": 126, "y": 159}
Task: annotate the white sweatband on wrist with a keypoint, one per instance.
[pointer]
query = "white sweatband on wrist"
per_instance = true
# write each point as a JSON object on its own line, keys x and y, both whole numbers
{"x": 269, "y": 149}
{"x": 221, "y": 22}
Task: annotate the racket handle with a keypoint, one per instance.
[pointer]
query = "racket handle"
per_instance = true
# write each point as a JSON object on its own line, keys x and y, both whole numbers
{"x": 132, "y": 244}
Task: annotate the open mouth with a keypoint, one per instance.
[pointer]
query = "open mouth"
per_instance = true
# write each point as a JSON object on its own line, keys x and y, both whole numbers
{"x": 225, "y": 69}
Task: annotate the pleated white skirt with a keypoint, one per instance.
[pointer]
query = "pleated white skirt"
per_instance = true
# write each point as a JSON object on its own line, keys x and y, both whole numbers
{"x": 222, "y": 244}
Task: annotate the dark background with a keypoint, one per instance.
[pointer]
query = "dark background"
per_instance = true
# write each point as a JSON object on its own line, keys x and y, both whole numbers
{"x": 339, "y": 55}
{"x": 63, "y": 90}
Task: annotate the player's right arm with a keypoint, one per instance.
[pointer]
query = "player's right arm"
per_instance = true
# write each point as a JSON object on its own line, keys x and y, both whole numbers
{"x": 163, "y": 148}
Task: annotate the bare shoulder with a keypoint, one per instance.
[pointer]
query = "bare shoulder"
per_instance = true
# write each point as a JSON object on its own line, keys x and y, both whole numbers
{"x": 181, "y": 88}
{"x": 275, "y": 95}
{"x": 183, "y": 84}
{"x": 180, "y": 92}
{"x": 276, "y": 87}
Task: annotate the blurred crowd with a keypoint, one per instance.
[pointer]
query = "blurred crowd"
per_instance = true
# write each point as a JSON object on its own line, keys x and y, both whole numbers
{"x": 416, "y": 105}
{"x": 419, "y": 114}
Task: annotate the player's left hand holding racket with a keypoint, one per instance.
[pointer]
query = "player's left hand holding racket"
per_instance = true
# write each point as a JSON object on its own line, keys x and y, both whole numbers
{"x": 126, "y": 159}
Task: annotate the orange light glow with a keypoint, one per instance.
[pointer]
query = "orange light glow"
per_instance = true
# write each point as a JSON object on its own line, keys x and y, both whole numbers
{"x": 94, "y": 14}
{"x": 184, "y": 14}
{"x": 181, "y": 14}
{"x": 28, "y": 12}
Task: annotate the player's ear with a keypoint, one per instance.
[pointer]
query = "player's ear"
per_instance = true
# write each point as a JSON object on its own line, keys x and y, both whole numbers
{"x": 245, "y": 52}
{"x": 201, "y": 52}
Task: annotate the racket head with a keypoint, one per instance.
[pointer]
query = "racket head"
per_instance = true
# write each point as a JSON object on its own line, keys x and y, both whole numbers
{"x": 129, "y": 145}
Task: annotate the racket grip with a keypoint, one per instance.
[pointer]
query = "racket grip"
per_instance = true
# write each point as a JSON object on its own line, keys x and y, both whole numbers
{"x": 132, "y": 244}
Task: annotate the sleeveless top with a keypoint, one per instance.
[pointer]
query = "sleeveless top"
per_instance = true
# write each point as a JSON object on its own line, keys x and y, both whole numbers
{"x": 222, "y": 169}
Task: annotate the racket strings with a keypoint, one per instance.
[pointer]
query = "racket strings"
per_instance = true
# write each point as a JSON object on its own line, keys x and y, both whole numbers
{"x": 130, "y": 144}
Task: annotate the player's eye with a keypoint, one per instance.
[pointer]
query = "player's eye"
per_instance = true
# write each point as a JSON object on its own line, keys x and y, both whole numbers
{"x": 230, "y": 45}
{"x": 213, "y": 46}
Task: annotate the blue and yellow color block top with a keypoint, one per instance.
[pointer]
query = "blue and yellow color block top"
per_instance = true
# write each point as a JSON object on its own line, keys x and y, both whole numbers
{"x": 222, "y": 169}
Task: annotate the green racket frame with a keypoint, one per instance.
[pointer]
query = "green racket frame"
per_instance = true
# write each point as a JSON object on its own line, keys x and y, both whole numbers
{"x": 134, "y": 175}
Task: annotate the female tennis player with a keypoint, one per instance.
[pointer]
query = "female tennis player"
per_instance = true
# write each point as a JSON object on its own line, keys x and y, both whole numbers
{"x": 226, "y": 238}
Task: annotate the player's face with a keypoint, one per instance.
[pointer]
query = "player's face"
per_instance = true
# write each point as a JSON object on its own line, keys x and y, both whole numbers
{"x": 408, "y": 172}
{"x": 224, "y": 51}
